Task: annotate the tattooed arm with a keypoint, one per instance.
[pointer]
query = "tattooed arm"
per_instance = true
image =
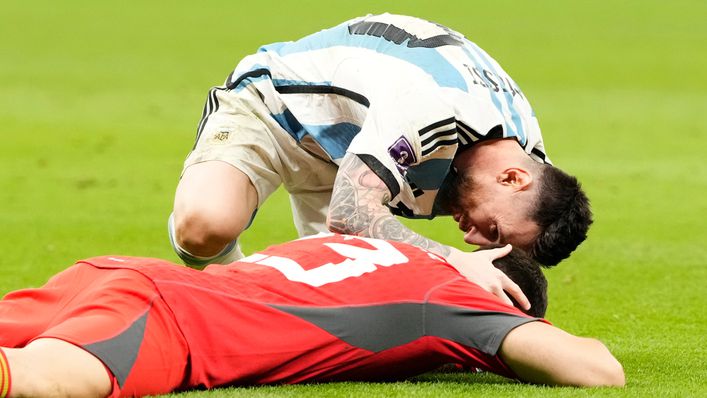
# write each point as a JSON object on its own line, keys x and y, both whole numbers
{"x": 358, "y": 207}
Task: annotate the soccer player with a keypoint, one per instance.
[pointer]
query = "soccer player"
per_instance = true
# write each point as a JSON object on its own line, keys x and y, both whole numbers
{"x": 380, "y": 116}
{"x": 323, "y": 308}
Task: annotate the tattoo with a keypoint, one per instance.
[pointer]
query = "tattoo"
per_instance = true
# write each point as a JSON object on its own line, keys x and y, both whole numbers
{"x": 358, "y": 208}
{"x": 388, "y": 227}
{"x": 345, "y": 215}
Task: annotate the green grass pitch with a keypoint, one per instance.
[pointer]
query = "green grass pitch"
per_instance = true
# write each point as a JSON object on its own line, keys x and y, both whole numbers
{"x": 99, "y": 102}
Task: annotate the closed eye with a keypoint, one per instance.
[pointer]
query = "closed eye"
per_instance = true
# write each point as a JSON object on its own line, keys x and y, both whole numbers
{"x": 494, "y": 233}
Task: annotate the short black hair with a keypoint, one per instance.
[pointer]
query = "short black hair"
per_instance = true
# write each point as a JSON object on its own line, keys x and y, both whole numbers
{"x": 528, "y": 275}
{"x": 562, "y": 212}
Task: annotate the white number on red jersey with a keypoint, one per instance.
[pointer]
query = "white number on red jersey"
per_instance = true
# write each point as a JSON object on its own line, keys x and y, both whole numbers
{"x": 358, "y": 261}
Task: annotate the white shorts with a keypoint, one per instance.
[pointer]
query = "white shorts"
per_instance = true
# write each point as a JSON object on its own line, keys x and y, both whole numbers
{"x": 237, "y": 128}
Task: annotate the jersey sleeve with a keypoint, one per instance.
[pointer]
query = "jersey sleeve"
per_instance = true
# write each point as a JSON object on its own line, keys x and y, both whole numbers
{"x": 473, "y": 324}
{"x": 387, "y": 143}
{"x": 411, "y": 128}
{"x": 473, "y": 316}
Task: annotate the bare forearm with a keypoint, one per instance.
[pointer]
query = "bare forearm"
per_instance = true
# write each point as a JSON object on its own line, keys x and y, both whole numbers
{"x": 542, "y": 354}
{"x": 358, "y": 208}
{"x": 386, "y": 226}
{"x": 348, "y": 210}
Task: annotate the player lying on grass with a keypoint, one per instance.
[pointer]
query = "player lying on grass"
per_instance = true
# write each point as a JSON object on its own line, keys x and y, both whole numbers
{"x": 325, "y": 308}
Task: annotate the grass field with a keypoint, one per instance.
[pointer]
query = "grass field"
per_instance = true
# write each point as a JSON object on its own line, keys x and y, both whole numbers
{"x": 99, "y": 103}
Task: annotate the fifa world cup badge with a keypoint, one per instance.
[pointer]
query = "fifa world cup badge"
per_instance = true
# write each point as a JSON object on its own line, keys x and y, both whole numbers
{"x": 401, "y": 151}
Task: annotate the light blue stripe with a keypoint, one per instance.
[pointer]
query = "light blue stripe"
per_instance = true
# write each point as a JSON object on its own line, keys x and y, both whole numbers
{"x": 277, "y": 82}
{"x": 273, "y": 46}
{"x": 289, "y": 123}
{"x": 492, "y": 94}
{"x": 246, "y": 82}
{"x": 428, "y": 59}
{"x": 515, "y": 116}
{"x": 287, "y": 82}
{"x": 334, "y": 138}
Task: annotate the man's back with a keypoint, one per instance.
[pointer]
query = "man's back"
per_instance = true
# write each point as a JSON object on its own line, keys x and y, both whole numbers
{"x": 353, "y": 308}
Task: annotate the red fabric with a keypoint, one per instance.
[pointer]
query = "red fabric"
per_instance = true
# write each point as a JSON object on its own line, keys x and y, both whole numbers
{"x": 219, "y": 323}
{"x": 245, "y": 342}
{"x": 85, "y": 305}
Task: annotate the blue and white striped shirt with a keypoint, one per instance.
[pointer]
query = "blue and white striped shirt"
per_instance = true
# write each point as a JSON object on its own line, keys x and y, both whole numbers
{"x": 404, "y": 92}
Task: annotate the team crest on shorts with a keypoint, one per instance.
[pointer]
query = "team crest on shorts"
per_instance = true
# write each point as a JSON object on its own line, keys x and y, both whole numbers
{"x": 222, "y": 135}
{"x": 401, "y": 151}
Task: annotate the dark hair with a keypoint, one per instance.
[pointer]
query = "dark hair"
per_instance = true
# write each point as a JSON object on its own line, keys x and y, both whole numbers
{"x": 563, "y": 214}
{"x": 526, "y": 273}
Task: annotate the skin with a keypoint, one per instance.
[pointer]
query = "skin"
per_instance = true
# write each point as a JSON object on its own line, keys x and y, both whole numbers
{"x": 357, "y": 208}
{"x": 209, "y": 215}
{"x": 40, "y": 370}
{"x": 543, "y": 354}
{"x": 494, "y": 193}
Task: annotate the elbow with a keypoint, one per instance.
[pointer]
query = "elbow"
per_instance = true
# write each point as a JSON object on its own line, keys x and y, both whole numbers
{"x": 613, "y": 374}
{"x": 543, "y": 354}
{"x": 606, "y": 371}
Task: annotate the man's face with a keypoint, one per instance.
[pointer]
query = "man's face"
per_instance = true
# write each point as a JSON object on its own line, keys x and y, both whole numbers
{"x": 489, "y": 211}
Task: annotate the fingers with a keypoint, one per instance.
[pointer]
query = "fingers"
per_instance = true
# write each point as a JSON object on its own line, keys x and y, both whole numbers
{"x": 515, "y": 291}
{"x": 497, "y": 252}
{"x": 507, "y": 284}
{"x": 498, "y": 292}
{"x": 477, "y": 267}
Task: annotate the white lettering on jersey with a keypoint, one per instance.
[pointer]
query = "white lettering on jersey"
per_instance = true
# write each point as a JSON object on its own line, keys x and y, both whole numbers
{"x": 359, "y": 261}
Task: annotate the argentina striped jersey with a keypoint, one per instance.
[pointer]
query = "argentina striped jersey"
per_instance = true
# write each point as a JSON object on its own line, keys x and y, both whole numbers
{"x": 403, "y": 93}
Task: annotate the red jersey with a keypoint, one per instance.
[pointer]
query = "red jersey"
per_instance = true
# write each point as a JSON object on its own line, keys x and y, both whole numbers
{"x": 328, "y": 308}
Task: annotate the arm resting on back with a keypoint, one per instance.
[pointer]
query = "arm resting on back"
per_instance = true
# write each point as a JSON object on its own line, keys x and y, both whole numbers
{"x": 543, "y": 354}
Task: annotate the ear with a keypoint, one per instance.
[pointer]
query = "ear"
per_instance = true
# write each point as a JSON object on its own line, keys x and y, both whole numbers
{"x": 517, "y": 178}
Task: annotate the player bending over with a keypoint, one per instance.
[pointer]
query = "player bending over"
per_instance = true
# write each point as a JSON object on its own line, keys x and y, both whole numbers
{"x": 324, "y": 308}
{"x": 378, "y": 117}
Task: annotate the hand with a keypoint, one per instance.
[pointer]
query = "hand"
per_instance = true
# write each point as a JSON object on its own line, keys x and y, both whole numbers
{"x": 478, "y": 268}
